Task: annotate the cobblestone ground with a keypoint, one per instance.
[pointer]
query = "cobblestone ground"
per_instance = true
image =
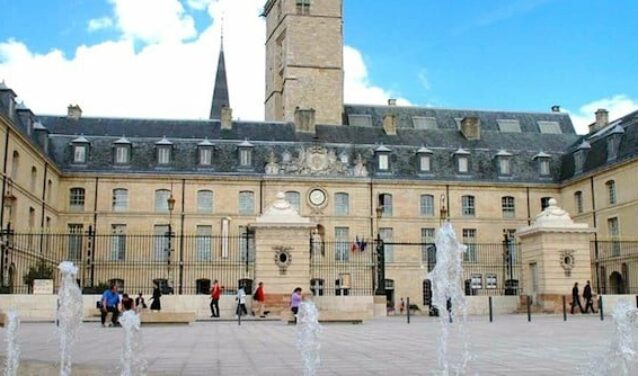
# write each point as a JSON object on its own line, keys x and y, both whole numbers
{"x": 508, "y": 346}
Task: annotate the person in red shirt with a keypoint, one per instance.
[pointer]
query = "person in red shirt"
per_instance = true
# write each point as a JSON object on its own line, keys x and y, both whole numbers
{"x": 259, "y": 301}
{"x": 215, "y": 293}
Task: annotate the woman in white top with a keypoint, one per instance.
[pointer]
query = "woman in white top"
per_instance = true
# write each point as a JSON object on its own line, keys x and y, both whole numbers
{"x": 241, "y": 302}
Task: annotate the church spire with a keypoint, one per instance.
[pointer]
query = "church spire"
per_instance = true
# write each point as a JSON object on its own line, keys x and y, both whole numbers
{"x": 220, "y": 92}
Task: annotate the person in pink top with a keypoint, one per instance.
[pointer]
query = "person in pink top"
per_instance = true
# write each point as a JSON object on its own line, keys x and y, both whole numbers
{"x": 295, "y": 301}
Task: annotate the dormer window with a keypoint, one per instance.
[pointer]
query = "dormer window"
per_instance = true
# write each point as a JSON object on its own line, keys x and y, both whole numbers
{"x": 80, "y": 150}
{"x": 424, "y": 159}
{"x": 580, "y": 155}
{"x": 122, "y": 151}
{"x": 205, "y": 153}
{"x": 383, "y": 158}
{"x": 543, "y": 159}
{"x": 504, "y": 161}
{"x": 462, "y": 158}
{"x": 245, "y": 154}
{"x": 613, "y": 142}
{"x": 164, "y": 147}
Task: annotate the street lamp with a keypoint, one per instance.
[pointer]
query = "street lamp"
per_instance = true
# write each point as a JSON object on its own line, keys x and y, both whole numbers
{"x": 443, "y": 210}
{"x": 380, "y": 255}
{"x": 171, "y": 205}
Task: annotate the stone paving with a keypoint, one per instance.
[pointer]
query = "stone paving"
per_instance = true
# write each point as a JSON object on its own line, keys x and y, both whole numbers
{"x": 388, "y": 346}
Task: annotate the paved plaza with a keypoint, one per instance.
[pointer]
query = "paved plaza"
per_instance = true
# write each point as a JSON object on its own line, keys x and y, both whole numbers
{"x": 388, "y": 346}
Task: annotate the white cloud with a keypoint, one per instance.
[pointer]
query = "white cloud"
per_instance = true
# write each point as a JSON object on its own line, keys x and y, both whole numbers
{"x": 358, "y": 88}
{"x": 199, "y": 4}
{"x": 617, "y": 105}
{"x": 170, "y": 76}
{"x": 97, "y": 24}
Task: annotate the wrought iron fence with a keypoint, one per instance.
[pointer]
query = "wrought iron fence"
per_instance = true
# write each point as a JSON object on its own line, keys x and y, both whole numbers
{"x": 184, "y": 264}
{"x": 615, "y": 266}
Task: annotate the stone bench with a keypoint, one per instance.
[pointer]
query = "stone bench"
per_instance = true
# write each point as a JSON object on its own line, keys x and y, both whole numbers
{"x": 148, "y": 317}
{"x": 328, "y": 317}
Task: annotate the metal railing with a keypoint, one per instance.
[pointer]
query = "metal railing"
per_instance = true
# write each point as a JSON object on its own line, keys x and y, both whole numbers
{"x": 615, "y": 266}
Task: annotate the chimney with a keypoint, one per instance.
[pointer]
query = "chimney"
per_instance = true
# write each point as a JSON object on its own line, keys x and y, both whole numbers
{"x": 74, "y": 112}
{"x": 305, "y": 120}
{"x": 471, "y": 128}
{"x": 390, "y": 124}
{"x": 7, "y": 100}
{"x": 392, "y": 102}
{"x": 227, "y": 117}
{"x": 602, "y": 119}
{"x": 555, "y": 108}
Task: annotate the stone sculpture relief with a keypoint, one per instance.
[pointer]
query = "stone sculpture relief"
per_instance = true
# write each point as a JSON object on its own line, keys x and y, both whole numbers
{"x": 272, "y": 167}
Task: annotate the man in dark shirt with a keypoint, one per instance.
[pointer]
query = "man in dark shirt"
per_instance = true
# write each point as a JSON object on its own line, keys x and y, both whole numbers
{"x": 576, "y": 299}
{"x": 588, "y": 298}
{"x": 110, "y": 303}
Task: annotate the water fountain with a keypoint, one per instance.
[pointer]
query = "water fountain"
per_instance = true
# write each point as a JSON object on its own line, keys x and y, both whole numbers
{"x": 69, "y": 313}
{"x": 13, "y": 349}
{"x": 620, "y": 358}
{"x": 131, "y": 361}
{"x": 448, "y": 296}
{"x": 308, "y": 331}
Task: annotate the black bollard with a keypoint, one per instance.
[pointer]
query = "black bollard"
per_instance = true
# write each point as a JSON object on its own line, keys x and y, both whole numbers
{"x": 238, "y": 315}
{"x": 600, "y": 308}
{"x": 529, "y": 308}
{"x": 408, "y": 304}
{"x": 636, "y": 301}
{"x": 564, "y": 308}
{"x": 491, "y": 314}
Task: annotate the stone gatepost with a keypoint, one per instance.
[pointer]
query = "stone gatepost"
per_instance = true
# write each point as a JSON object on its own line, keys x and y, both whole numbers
{"x": 555, "y": 254}
{"x": 282, "y": 252}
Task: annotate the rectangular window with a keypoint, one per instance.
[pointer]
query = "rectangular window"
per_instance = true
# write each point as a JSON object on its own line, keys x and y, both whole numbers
{"x": 205, "y": 202}
{"x": 424, "y": 163}
{"x": 118, "y": 242}
{"x": 163, "y": 155}
{"x": 467, "y": 206}
{"x": 490, "y": 281}
{"x": 427, "y": 205}
{"x": 79, "y": 154}
{"x": 612, "y": 147}
{"x": 613, "y": 229}
{"x": 549, "y": 127}
{"x": 360, "y": 120}
{"x": 385, "y": 202}
{"x": 303, "y": 7}
{"x": 424, "y": 122}
{"x": 463, "y": 165}
{"x": 505, "y": 166}
{"x": 342, "y": 243}
{"x": 383, "y": 162}
{"x": 245, "y": 158}
{"x": 120, "y": 200}
{"x": 611, "y": 191}
{"x": 161, "y": 200}
{"x": 246, "y": 203}
{"x": 160, "y": 245}
{"x": 294, "y": 199}
{"x": 316, "y": 286}
{"x": 509, "y": 125}
{"x": 75, "y": 241}
{"x": 507, "y": 204}
{"x": 544, "y": 166}
{"x": 579, "y": 161}
{"x": 342, "y": 204}
{"x": 205, "y": 156}
{"x": 578, "y": 198}
{"x": 246, "y": 244}
{"x": 476, "y": 282}
{"x": 204, "y": 243}
{"x": 76, "y": 199}
{"x": 469, "y": 239}
{"x": 388, "y": 249}
{"x": 428, "y": 251}
{"x": 121, "y": 154}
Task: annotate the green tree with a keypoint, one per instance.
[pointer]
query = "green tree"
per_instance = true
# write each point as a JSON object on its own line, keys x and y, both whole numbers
{"x": 41, "y": 270}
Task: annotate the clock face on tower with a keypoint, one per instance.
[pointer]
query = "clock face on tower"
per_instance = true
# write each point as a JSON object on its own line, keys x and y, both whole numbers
{"x": 317, "y": 197}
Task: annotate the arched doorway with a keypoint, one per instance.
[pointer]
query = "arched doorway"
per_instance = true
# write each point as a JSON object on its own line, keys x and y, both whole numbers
{"x": 616, "y": 283}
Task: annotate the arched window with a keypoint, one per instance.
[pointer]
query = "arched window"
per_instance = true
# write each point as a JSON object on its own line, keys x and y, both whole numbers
{"x": 342, "y": 203}
{"x": 161, "y": 200}
{"x": 578, "y": 201}
{"x": 205, "y": 201}
{"x": 15, "y": 165}
{"x": 611, "y": 192}
{"x": 76, "y": 199}
{"x": 120, "y": 199}
{"x": 507, "y": 206}
{"x": 34, "y": 179}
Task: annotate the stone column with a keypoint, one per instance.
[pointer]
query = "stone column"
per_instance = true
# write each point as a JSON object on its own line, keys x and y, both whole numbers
{"x": 282, "y": 240}
{"x": 555, "y": 254}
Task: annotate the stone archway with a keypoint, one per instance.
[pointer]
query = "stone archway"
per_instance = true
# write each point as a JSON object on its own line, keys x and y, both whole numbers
{"x": 616, "y": 283}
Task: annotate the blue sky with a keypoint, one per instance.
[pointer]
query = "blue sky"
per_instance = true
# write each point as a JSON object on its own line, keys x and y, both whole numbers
{"x": 496, "y": 54}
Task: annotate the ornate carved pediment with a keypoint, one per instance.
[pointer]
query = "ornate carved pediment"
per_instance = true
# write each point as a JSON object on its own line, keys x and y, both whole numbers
{"x": 315, "y": 160}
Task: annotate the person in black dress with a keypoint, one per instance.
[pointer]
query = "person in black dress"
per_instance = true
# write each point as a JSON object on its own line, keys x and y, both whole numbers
{"x": 156, "y": 305}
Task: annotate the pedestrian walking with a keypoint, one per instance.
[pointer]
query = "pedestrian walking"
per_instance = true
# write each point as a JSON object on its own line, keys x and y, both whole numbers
{"x": 587, "y": 295}
{"x": 110, "y": 303}
{"x": 127, "y": 303}
{"x": 259, "y": 301}
{"x": 576, "y": 299}
{"x": 157, "y": 304}
{"x": 140, "y": 304}
{"x": 295, "y": 301}
{"x": 215, "y": 293}
{"x": 401, "y": 306}
{"x": 241, "y": 302}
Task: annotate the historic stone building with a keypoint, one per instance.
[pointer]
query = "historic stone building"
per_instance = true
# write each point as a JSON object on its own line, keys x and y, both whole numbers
{"x": 356, "y": 171}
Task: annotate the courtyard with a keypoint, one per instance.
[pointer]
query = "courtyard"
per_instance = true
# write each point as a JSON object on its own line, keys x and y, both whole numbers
{"x": 387, "y": 346}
